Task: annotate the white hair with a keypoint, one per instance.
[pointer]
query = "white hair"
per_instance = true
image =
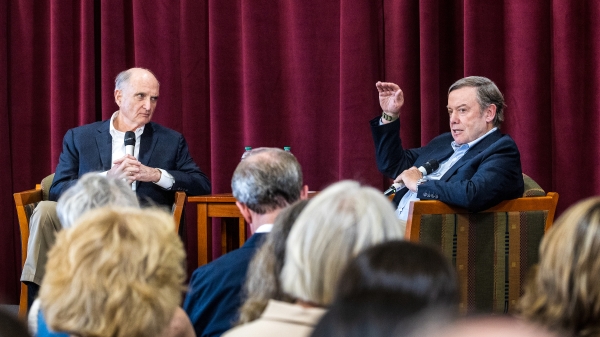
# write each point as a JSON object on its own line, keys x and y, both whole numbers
{"x": 91, "y": 191}
{"x": 337, "y": 224}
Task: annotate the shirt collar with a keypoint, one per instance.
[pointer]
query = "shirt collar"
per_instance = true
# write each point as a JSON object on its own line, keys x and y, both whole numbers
{"x": 266, "y": 228}
{"x": 114, "y": 132}
{"x": 471, "y": 144}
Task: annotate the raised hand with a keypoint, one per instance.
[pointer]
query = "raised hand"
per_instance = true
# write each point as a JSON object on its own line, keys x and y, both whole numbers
{"x": 391, "y": 98}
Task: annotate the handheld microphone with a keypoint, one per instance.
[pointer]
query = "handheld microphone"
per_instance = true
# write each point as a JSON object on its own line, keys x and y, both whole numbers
{"x": 426, "y": 169}
{"x": 129, "y": 142}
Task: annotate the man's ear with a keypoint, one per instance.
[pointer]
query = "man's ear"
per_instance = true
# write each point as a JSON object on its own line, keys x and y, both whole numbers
{"x": 245, "y": 211}
{"x": 118, "y": 97}
{"x": 490, "y": 113}
{"x": 304, "y": 192}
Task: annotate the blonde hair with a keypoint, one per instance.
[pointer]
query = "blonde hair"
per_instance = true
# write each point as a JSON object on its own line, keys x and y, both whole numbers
{"x": 118, "y": 272}
{"x": 337, "y": 224}
{"x": 564, "y": 294}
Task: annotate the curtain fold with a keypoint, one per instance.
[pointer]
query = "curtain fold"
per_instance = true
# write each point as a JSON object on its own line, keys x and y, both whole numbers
{"x": 300, "y": 74}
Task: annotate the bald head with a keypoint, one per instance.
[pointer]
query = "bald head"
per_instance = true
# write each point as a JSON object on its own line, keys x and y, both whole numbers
{"x": 136, "y": 94}
{"x": 123, "y": 78}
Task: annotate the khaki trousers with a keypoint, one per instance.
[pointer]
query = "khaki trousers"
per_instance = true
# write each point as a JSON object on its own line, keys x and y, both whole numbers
{"x": 43, "y": 226}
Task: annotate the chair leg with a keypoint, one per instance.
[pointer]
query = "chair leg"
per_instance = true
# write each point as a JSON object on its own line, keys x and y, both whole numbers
{"x": 23, "y": 301}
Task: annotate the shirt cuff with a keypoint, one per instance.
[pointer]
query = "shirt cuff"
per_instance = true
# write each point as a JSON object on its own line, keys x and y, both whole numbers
{"x": 166, "y": 180}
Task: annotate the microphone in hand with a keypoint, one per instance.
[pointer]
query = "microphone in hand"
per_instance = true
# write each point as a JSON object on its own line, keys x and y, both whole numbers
{"x": 393, "y": 189}
{"x": 129, "y": 142}
{"x": 426, "y": 169}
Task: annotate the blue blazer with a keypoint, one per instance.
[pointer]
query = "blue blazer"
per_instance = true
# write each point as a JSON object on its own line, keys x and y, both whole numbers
{"x": 88, "y": 148}
{"x": 487, "y": 174}
{"x": 215, "y": 292}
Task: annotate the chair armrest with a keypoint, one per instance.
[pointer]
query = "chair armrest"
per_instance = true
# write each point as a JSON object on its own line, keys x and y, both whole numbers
{"x": 178, "y": 208}
{"x": 23, "y": 199}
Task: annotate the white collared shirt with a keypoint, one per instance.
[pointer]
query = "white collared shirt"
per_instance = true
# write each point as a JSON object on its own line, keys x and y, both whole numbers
{"x": 266, "y": 228}
{"x": 118, "y": 151}
{"x": 459, "y": 152}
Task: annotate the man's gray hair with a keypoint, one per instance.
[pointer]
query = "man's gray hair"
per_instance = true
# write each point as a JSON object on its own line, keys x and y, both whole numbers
{"x": 91, "y": 191}
{"x": 487, "y": 94}
{"x": 267, "y": 179}
{"x": 123, "y": 77}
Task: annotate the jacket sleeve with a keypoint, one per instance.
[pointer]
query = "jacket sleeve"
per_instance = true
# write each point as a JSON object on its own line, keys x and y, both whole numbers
{"x": 188, "y": 176}
{"x": 67, "y": 169}
{"x": 391, "y": 157}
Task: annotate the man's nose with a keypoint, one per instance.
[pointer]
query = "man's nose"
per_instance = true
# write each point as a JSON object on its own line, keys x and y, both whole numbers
{"x": 453, "y": 117}
{"x": 147, "y": 104}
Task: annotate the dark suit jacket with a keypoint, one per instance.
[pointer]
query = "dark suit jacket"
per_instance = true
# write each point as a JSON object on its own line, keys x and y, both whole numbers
{"x": 487, "y": 174}
{"x": 215, "y": 292}
{"x": 88, "y": 148}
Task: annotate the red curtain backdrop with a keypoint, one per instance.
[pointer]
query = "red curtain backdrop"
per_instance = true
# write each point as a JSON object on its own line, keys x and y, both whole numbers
{"x": 296, "y": 73}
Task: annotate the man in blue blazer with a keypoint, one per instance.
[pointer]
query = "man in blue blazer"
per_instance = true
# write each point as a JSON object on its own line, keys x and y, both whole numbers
{"x": 265, "y": 182}
{"x": 479, "y": 166}
{"x": 159, "y": 166}
{"x": 88, "y": 148}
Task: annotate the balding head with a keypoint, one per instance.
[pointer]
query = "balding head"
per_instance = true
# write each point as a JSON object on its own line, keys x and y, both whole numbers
{"x": 136, "y": 94}
{"x": 267, "y": 179}
{"x": 122, "y": 79}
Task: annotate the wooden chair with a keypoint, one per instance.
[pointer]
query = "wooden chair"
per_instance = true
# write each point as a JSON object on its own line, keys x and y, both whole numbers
{"x": 26, "y": 202}
{"x": 177, "y": 209}
{"x": 491, "y": 250}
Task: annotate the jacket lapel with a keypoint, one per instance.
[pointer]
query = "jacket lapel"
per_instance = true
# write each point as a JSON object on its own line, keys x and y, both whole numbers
{"x": 104, "y": 143}
{"x": 472, "y": 152}
{"x": 148, "y": 142}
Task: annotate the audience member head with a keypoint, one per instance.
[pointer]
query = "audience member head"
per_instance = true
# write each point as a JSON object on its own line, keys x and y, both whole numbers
{"x": 337, "y": 224}
{"x": 267, "y": 179}
{"x": 487, "y": 94}
{"x": 433, "y": 324}
{"x": 262, "y": 281}
{"x": 374, "y": 312}
{"x": 564, "y": 295}
{"x": 402, "y": 267}
{"x": 118, "y": 272}
{"x": 10, "y": 326}
{"x": 385, "y": 284}
{"x": 93, "y": 191}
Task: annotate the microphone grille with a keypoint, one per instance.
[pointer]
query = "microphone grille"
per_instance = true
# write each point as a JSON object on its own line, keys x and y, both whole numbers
{"x": 431, "y": 166}
{"x": 129, "y": 138}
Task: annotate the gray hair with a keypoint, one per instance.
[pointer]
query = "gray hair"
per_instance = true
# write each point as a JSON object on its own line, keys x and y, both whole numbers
{"x": 487, "y": 94}
{"x": 123, "y": 77}
{"x": 338, "y": 223}
{"x": 91, "y": 191}
{"x": 267, "y": 179}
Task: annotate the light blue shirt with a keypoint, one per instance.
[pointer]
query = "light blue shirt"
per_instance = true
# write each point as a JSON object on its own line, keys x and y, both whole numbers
{"x": 459, "y": 152}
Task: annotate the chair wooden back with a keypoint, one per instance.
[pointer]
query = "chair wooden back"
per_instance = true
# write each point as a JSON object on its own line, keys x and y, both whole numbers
{"x": 492, "y": 249}
{"x": 178, "y": 208}
{"x": 26, "y": 202}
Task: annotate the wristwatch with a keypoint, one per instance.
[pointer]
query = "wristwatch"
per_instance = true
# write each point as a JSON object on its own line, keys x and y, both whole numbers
{"x": 419, "y": 182}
